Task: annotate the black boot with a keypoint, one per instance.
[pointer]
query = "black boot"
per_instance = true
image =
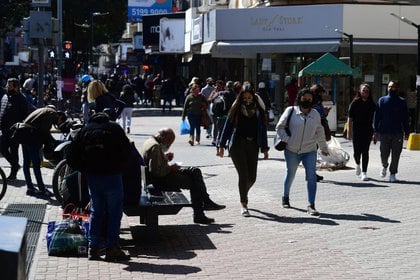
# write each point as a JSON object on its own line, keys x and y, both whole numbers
{"x": 210, "y": 205}
{"x": 202, "y": 219}
{"x": 13, "y": 172}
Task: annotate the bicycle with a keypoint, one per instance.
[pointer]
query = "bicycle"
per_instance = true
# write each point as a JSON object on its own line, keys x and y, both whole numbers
{"x": 3, "y": 183}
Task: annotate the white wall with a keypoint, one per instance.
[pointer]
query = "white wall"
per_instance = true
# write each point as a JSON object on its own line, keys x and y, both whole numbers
{"x": 375, "y": 21}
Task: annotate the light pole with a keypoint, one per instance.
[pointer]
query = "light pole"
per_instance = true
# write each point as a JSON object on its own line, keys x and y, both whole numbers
{"x": 350, "y": 37}
{"x": 95, "y": 14}
{"x": 403, "y": 19}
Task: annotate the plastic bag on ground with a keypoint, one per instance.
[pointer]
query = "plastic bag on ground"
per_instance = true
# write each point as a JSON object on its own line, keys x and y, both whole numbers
{"x": 337, "y": 157}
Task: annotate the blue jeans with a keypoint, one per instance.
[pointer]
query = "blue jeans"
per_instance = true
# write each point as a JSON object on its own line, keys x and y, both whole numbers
{"x": 106, "y": 203}
{"x": 195, "y": 121}
{"x": 309, "y": 162}
{"x": 32, "y": 154}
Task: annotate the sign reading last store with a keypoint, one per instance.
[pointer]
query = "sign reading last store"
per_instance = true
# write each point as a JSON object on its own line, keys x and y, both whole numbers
{"x": 139, "y": 8}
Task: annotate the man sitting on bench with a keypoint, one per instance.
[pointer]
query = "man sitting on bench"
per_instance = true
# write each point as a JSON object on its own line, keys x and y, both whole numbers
{"x": 169, "y": 177}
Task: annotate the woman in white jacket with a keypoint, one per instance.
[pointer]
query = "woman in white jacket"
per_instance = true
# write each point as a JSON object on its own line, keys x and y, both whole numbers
{"x": 306, "y": 134}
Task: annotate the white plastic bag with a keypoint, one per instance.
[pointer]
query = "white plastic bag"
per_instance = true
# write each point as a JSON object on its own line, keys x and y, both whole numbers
{"x": 337, "y": 157}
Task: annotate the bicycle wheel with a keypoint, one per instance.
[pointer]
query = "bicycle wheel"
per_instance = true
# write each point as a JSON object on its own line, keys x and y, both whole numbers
{"x": 3, "y": 183}
{"x": 60, "y": 171}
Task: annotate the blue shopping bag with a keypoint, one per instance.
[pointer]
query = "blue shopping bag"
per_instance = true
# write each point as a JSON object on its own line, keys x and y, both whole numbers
{"x": 184, "y": 128}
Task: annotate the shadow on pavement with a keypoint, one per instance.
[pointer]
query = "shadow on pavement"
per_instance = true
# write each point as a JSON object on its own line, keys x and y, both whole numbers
{"x": 169, "y": 269}
{"x": 176, "y": 238}
{"x": 364, "y": 184}
{"x": 361, "y": 217}
{"x": 291, "y": 220}
{"x": 174, "y": 242}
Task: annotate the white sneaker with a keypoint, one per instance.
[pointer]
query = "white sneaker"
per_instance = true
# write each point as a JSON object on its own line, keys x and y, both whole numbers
{"x": 383, "y": 172}
{"x": 245, "y": 212}
{"x": 358, "y": 170}
{"x": 364, "y": 177}
{"x": 392, "y": 178}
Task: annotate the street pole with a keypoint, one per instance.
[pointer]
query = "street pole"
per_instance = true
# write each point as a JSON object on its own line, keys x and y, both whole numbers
{"x": 351, "y": 80}
{"x": 418, "y": 81}
{"x": 407, "y": 21}
{"x": 91, "y": 40}
{"x": 59, "y": 49}
{"x": 91, "y": 32}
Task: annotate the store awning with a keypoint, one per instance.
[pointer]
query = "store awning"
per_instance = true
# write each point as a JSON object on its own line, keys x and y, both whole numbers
{"x": 251, "y": 48}
{"x": 327, "y": 65}
{"x": 385, "y": 46}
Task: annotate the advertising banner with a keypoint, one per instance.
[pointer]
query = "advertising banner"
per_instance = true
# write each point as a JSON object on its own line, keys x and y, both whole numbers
{"x": 138, "y": 8}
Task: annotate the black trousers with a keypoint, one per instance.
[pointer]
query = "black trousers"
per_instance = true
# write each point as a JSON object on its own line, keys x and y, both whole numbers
{"x": 189, "y": 178}
{"x": 361, "y": 143}
{"x": 10, "y": 151}
{"x": 244, "y": 154}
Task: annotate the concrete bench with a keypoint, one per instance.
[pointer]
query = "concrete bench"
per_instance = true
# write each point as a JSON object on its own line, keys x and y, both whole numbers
{"x": 13, "y": 247}
{"x": 150, "y": 207}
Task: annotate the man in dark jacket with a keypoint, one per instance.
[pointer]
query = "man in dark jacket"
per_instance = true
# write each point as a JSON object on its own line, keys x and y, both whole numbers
{"x": 390, "y": 124}
{"x": 173, "y": 177}
{"x": 14, "y": 109}
{"x": 42, "y": 119}
{"x": 100, "y": 150}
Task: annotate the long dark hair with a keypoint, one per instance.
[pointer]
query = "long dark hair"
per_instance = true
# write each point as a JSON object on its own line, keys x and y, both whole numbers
{"x": 359, "y": 96}
{"x": 235, "y": 110}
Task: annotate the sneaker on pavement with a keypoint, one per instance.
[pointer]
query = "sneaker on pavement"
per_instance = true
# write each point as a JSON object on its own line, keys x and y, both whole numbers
{"x": 285, "y": 202}
{"x": 94, "y": 254}
{"x": 392, "y": 178}
{"x": 383, "y": 172}
{"x": 46, "y": 192}
{"x": 115, "y": 254}
{"x": 32, "y": 192}
{"x": 364, "y": 177}
{"x": 245, "y": 212}
{"x": 212, "y": 206}
{"x": 358, "y": 170}
{"x": 203, "y": 219}
{"x": 312, "y": 211}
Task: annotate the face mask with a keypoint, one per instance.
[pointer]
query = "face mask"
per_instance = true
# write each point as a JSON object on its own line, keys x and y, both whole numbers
{"x": 306, "y": 104}
{"x": 164, "y": 147}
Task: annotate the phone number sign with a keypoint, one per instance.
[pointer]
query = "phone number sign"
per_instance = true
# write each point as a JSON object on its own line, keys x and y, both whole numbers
{"x": 138, "y": 8}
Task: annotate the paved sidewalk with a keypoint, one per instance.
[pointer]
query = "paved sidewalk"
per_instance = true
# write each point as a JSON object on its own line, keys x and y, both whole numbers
{"x": 367, "y": 230}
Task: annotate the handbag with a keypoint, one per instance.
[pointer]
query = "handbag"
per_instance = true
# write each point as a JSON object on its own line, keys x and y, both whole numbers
{"x": 184, "y": 127}
{"x": 205, "y": 119}
{"x": 327, "y": 131}
{"x": 279, "y": 144}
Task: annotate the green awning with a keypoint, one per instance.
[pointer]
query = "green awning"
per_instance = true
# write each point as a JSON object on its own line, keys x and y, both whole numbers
{"x": 328, "y": 65}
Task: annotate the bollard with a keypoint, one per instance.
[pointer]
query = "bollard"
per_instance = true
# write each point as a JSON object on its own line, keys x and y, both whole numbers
{"x": 413, "y": 141}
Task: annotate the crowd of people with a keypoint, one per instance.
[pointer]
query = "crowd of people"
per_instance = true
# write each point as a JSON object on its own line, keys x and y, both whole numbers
{"x": 238, "y": 115}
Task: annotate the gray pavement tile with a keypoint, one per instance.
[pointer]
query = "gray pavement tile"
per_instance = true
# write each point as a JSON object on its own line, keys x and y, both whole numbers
{"x": 367, "y": 230}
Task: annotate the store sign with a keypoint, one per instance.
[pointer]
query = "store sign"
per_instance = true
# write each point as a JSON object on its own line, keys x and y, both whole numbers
{"x": 151, "y": 27}
{"x": 139, "y": 8}
{"x": 294, "y": 22}
{"x": 171, "y": 36}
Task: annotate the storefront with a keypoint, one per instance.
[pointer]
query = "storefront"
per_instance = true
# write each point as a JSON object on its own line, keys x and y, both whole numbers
{"x": 275, "y": 43}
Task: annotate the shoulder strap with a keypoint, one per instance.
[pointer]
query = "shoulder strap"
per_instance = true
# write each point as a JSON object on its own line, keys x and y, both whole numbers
{"x": 290, "y": 115}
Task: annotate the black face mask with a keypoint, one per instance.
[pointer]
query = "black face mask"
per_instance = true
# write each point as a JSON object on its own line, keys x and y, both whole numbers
{"x": 306, "y": 104}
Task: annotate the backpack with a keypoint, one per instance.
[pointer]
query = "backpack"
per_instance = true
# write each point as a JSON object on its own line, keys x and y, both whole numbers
{"x": 219, "y": 105}
{"x": 99, "y": 148}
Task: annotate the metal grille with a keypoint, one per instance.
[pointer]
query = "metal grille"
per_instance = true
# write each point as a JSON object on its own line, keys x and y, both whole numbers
{"x": 35, "y": 215}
